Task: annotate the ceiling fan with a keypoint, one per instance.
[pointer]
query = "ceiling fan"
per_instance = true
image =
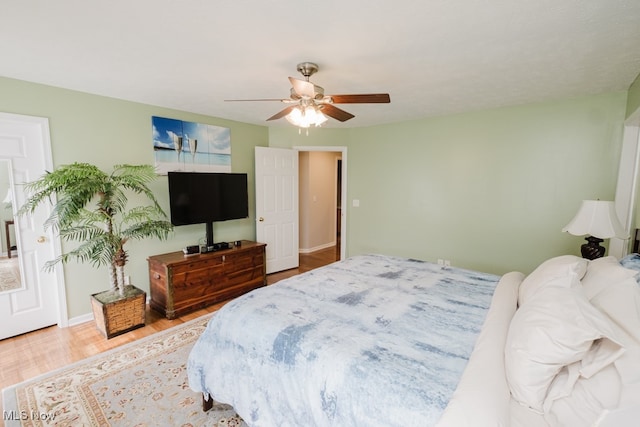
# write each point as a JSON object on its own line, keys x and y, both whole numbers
{"x": 309, "y": 104}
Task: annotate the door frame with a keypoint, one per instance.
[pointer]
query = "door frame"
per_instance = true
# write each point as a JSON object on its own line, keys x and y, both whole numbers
{"x": 343, "y": 199}
{"x": 627, "y": 187}
{"x": 54, "y": 239}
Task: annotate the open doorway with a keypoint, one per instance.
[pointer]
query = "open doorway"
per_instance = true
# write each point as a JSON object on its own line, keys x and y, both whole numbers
{"x": 322, "y": 184}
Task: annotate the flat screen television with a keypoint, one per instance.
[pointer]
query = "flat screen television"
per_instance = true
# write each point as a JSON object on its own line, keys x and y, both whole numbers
{"x": 207, "y": 197}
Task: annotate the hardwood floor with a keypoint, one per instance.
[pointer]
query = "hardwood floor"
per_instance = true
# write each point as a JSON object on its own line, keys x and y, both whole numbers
{"x": 38, "y": 352}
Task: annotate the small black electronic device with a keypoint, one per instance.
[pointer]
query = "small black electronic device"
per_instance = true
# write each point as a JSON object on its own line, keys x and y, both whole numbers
{"x": 193, "y": 249}
{"x": 215, "y": 247}
{"x": 220, "y": 246}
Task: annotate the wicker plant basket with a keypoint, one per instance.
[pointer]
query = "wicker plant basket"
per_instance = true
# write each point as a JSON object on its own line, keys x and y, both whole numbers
{"x": 114, "y": 315}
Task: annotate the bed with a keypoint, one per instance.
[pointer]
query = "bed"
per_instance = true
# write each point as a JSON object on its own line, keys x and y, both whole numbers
{"x": 376, "y": 340}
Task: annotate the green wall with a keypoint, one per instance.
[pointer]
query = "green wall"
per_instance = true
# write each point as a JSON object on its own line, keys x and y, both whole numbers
{"x": 487, "y": 190}
{"x": 106, "y": 131}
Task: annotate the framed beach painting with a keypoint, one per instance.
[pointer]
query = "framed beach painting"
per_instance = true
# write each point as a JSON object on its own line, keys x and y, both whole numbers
{"x": 189, "y": 146}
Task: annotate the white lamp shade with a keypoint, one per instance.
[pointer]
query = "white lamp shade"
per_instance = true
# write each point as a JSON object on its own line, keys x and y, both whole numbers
{"x": 597, "y": 218}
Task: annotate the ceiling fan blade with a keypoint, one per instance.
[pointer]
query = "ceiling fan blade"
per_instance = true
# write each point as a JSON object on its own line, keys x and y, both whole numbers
{"x": 263, "y": 99}
{"x": 335, "y": 112}
{"x": 282, "y": 113}
{"x": 365, "y": 98}
{"x": 303, "y": 88}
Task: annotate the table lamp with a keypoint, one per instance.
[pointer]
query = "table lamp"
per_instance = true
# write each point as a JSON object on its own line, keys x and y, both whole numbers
{"x": 598, "y": 219}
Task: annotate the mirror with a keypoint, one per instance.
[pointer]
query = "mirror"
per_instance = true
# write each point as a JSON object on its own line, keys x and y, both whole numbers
{"x": 10, "y": 277}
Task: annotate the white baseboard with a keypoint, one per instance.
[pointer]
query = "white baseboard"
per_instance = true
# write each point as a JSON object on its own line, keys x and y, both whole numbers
{"x": 317, "y": 248}
{"x": 88, "y": 317}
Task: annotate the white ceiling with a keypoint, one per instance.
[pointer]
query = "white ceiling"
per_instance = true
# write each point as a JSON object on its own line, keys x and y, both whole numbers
{"x": 434, "y": 57}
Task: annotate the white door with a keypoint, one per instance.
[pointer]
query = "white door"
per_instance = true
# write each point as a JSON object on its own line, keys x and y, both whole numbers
{"x": 277, "y": 206}
{"x": 25, "y": 151}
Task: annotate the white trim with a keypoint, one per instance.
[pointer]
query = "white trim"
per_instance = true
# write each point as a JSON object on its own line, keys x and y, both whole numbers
{"x": 343, "y": 201}
{"x": 626, "y": 188}
{"x": 317, "y": 248}
{"x": 84, "y": 318}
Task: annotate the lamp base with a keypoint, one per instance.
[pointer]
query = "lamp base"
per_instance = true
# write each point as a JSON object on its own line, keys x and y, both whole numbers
{"x": 592, "y": 249}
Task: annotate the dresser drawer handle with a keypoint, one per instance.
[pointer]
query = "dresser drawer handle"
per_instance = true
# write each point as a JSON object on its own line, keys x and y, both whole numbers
{"x": 156, "y": 276}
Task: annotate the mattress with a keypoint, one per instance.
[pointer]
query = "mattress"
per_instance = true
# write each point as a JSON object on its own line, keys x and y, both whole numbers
{"x": 369, "y": 341}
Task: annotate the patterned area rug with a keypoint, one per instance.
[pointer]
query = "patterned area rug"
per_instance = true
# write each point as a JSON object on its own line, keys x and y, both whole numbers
{"x": 143, "y": 383}
{"x": 9, "y": 275}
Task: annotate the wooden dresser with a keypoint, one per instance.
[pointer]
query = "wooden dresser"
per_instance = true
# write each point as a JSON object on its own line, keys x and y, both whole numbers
{"x": 182, "y": 283}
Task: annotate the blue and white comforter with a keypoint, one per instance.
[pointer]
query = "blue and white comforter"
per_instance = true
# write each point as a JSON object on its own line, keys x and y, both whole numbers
{"x": 369, "y": 341}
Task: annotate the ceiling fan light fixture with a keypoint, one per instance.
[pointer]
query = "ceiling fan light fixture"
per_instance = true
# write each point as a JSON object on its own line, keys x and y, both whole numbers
{"x": 304, "y": 117}
{"x": 308, "y": 105}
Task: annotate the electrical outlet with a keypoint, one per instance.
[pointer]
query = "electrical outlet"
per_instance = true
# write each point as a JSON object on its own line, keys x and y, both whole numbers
{"x": 447, "y": 263}
{"x": 440, "y": 261}
{"x": 127, "y": 280}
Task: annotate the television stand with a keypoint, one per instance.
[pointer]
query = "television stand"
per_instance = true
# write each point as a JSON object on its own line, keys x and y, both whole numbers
{"x": 182, "y": 283}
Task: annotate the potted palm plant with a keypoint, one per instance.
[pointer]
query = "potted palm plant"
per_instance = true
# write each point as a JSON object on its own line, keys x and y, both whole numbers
{"x": 91, "y": 208}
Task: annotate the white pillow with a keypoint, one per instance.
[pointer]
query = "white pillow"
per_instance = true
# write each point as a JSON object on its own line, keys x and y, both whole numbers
{"x": 620, "y": 301}
{"x": 557, "y": 326}
{"x": 583, "y": 392}
{"x": 589, "y": 400}
{"x": 553, "y": 268}
{"x": 604, "y": 272}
